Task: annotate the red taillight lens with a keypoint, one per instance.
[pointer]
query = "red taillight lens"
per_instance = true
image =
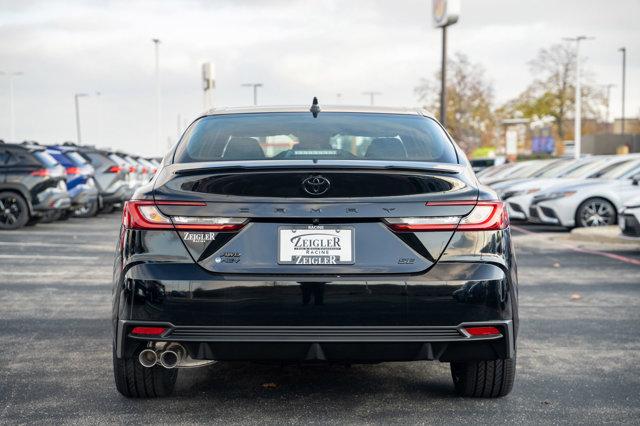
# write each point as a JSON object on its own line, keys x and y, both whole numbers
{"x": 146, "y": 215}
{"x": 144, "y": 170}
{"x": 132, "y": 169}
{"x": 114, "y": 169}
{"x": 485, "y": 216}
{"x": 483, "y": 331}
{"x": 148, "y": 331}
{"x": 40, "y": 172}
{"x": 73, "y": 170}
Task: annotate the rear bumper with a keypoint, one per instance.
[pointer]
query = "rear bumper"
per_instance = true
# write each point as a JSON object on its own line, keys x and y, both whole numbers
{"x": 345, "y": 344}
{"x": 83, "y": 194}
{"x": 119, "y": 195}
{"x": 332, "y": 318}
{"x": 52, "y": 198}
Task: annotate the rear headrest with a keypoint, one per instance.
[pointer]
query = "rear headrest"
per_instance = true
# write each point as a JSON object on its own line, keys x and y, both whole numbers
{"x": 386, "y": 149}
{"x": 243, "y": 149}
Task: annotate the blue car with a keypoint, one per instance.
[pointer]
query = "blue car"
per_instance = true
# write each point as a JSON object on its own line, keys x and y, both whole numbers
{"x": 81, "y": 184}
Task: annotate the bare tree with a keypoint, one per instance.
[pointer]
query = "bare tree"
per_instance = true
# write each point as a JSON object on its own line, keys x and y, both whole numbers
{"x": 469, "y": 101}
{"x": 552, "y": 92}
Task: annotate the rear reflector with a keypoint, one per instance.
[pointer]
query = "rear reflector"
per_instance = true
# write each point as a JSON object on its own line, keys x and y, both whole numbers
{"x": 73, "y": 170}
{"x": 148, "y": 331}
{"x": 485, "y": 216}
{"x": 483, "y": 331}
{"x": 40, "y": 172}
{"x": 146, "y": 215}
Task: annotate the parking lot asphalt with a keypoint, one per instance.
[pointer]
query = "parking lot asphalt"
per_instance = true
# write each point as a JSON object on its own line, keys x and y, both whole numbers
{"x": 578, "y": 351}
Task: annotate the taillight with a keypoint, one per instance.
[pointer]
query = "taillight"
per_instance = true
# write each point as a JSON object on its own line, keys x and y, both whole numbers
{"x": 144, "y": 170}
{"x": 485, "y": 216}
{"x": 132, "y": 169}
{"x": 482, "y": 331}
{"x": 73, "y": 170}
{"x": 148, "y": 331}
{"x": 146, "y": 215}
{"x": 40, "y": 172}
{"x": 114, "y": 169}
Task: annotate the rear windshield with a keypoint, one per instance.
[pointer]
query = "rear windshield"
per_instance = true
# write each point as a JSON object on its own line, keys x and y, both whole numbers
{"x": 76, "y": 158}
{"x": 331, "y": 136}
{"x": 45, "y": 159}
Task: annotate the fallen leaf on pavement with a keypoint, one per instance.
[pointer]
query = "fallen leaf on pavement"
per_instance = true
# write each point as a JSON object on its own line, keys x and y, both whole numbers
{"x": 575, "y": 296}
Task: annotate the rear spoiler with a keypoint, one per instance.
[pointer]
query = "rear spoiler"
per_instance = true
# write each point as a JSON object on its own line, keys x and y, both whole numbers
{"x": 260, "y": 165}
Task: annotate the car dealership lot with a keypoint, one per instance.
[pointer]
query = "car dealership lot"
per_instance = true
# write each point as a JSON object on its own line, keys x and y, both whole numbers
{"x": 578, "y": 349}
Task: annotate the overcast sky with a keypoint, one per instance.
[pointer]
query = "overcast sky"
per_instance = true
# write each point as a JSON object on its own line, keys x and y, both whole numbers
{"x": 297, "y": 49}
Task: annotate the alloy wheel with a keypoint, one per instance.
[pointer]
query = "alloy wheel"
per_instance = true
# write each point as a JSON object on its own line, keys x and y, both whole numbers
{"x": 597, "y": 213}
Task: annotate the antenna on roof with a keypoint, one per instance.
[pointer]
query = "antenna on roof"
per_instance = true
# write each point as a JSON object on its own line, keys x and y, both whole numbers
{"x": 315, "y": 108}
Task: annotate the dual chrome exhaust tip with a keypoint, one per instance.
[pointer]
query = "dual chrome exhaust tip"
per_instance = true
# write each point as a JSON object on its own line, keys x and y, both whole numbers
{"x": 169, "y": 357}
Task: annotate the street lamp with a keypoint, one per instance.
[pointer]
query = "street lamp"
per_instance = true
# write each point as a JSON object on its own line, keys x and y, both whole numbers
{"x": 578, "y": 102}
{"x": 12, "y": 118}
{"x": 624, "y": 72}
{"x": 445, "y": 13}
{"x": 255, "y": 90}
{"x": 371, "y": 95}
{"x": 76, "y": 97}
{"x": 156, "y": 44}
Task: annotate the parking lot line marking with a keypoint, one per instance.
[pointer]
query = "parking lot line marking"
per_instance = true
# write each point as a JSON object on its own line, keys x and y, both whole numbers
{"x": 613, "y": 256}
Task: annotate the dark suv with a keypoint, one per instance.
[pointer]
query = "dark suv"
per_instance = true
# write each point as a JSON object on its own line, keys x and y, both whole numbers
{"x": 32, "y": 185}
{"x": 295, "y": 235}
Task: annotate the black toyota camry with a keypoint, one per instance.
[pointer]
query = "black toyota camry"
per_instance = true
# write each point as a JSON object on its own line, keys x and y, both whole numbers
{"x": 337, "y": 235}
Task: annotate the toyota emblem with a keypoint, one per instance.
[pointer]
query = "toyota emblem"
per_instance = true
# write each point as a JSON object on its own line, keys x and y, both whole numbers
{"x": 316, "y": 185}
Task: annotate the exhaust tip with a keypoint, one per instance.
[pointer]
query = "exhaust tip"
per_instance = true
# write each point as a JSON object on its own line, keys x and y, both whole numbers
{"x": 169, "y": 359}
{"x": 148, "y": 358}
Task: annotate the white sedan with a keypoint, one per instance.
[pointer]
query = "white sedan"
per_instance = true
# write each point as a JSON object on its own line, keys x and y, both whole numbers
{"x": 520, "y": 195}
{"x": 593, "y": 202}
{"x": 629, "y": 219}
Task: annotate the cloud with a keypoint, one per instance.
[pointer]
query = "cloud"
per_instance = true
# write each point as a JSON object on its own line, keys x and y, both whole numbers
{"x": 298, "y": 49}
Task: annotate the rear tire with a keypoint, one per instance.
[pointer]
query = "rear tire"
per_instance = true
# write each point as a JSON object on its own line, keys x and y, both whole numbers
{"x": 135, "y": 381}
{"x": 107, "y": 208}
{"x": 484, "y": 379}
{"x": 14, "y": 211}
{"x": 50, "y": 216}
{"x": 88, "y": 210}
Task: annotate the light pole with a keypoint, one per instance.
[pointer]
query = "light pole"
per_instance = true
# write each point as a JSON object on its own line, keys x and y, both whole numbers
{"x": 445, "y": 13}
{"x": 255, "y": 90}
{"x": 624, "y": 77}
{"x": 371, "y": 95}
{"x": 100, "y": 124}
{"x": 76, "y": 97}
{"x": 608, "y": 87}
{"x": 578, "y": 102}
{"x": 12, "y": 118}
{"x": 156, "y": 45}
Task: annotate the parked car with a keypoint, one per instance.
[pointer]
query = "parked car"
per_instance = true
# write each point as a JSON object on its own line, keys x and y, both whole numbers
{"x": 479, "y": 164}
{"x": 629, "y": 220}
{"x": 522, "y": 170}
{"x": 80, "y": 181}
{"x": 343, "y": 236}
{"x": 519, "y": 195}
{"x": 32, "y": 185}
{"x": 110, "y": 177}
{"x": 594, "y": 202}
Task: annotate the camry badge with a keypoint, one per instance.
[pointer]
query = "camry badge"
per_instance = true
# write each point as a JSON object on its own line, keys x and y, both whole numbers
{"x": 316, "y": 185}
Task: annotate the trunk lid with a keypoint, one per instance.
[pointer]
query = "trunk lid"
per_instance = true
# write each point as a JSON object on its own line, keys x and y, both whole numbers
{"x": 309, "y": 206}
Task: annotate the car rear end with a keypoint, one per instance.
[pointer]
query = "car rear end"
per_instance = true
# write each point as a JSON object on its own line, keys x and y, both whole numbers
{"x": 110, "y": 177}
{"x": 48, "y": 184}
{"x": 346, "y": 237}
{"x": 81, "y": 184}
